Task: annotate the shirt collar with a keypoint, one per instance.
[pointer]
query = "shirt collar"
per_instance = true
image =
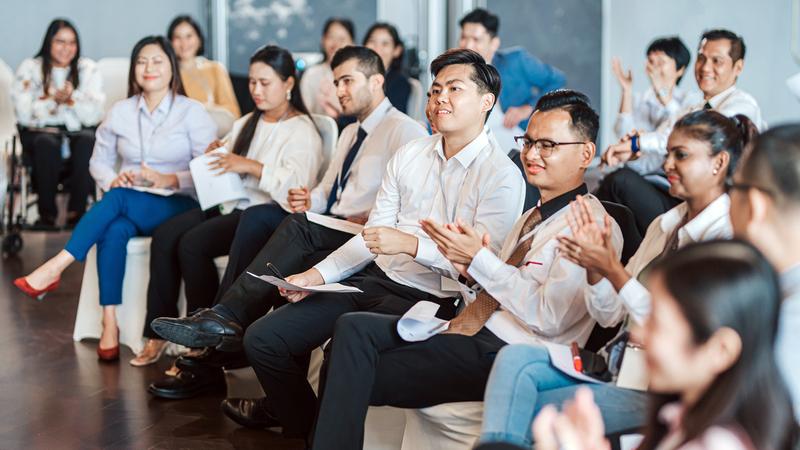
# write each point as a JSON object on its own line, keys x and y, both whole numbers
{"x": 716, "y": 100}
{"x": 469, "y": 153}
{"x": 376, "y": 116}
{"x": 697, "y": 226}
{"x": 162, "y": 107}
{"x": 790, "y": 282}
{"x": 555, "y": 205}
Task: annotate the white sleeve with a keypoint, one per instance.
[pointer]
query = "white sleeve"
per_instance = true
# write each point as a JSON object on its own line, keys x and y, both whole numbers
{"x": 298, "y": 166}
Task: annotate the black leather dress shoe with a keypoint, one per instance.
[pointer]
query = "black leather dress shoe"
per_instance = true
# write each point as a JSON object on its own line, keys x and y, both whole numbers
{"x": 249, "y": 412}
{"x": 188, "y": 384}
{"x": 210, "y": 358}
{"x": 205, "y": 328}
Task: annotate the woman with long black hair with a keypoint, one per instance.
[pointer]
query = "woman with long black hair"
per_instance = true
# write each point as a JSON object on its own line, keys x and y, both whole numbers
{"x": 57, "y": 95}
{"x": 274, "y": 148}
{"x": 384, "y": 39}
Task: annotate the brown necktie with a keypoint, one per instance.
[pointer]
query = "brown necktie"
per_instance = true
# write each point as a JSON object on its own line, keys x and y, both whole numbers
{"x": 475, "y": 315}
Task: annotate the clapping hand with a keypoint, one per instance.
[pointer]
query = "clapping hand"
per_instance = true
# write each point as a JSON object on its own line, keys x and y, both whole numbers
{"x": 578, "y": 427}
{"x": 458, "y": 242}
{"x": 590, "y": 245}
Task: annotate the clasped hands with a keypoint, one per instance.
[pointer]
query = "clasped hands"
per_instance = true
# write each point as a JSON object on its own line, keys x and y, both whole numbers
{"x": 146, "y": 177}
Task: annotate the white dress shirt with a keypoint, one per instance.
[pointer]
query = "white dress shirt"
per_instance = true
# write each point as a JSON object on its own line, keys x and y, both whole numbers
{"x": 787, "y": 342}
{"x": 291, "y": 154}
{"x": 387, "y": 129}
{"x": 35, "y": 109}
{"x": 480, "y": 185}
{"x": 542, "y": 299}
{"x": 653, "y": 145}
{"x": 178, "y": 130}
{"x": 609, "y": 307}
{"x": 649, "y": 113}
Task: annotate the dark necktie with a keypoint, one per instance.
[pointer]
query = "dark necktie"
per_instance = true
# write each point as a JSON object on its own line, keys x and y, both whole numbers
{"x": 475, "y": 315}
{"x": 708, "y": 106}
{"x": 344, "y": 173}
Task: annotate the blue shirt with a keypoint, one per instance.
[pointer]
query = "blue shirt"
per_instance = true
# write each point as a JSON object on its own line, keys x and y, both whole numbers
{"x": 524, "y": 78}
{"x": 178, "y": 130}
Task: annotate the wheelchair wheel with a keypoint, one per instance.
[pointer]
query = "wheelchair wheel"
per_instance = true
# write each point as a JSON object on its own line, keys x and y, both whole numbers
{"x": 12, "y": 244}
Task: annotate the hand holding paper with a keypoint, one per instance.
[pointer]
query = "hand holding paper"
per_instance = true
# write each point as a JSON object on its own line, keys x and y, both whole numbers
{"x": 213, "y": 188}
{"x": 420, "y": 322}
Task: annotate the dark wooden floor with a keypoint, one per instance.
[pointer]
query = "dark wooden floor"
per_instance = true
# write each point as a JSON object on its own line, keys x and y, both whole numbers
{"x": 54, "y": 393}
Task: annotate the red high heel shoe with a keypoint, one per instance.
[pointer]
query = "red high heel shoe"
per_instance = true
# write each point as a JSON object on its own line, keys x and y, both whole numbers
{"x": 108, "y": 354}
{"x": 22, "y": 284}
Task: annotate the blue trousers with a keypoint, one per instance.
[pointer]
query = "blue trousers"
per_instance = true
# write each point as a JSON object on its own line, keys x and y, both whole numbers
{"x": 523, "y": 381}
{"x": 111, "y": 222}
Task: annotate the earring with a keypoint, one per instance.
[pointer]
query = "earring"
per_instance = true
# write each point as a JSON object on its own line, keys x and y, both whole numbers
{"x": 716, "y": 171}
{"x": 288, "y": 95}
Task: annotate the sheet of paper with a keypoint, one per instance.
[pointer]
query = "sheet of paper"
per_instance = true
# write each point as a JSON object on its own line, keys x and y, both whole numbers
{"x": 561, "y": 359}
{"x": 333, "y": 223}
{"x": 332, "y": 287}
{"x": 630, "y": 441}
{"x": 214, "y": 189}
{"x": 420, "y": 322}
{"x": 151, "y": 190}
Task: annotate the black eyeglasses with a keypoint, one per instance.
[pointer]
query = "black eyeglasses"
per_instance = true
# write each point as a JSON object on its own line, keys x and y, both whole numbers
{"x": 545, "y": 147}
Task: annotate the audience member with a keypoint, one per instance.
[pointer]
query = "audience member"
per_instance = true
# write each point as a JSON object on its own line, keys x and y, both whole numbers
{"x": 704, "y": 147}
{"x": 525, "y": 77}
{"x": 765, "y": 210}
{"x": 711, "y": 360}
{"x": 145, "y": 141}
{"x": 58, "y": 99}
{"x": 347, "y": 190}
{"x": 384, "y": 39}
{"x": 316, "y": 85}
{"x": 204, "y": 80}
{"x": 371, "y": 364}
{"x": 274, "y": 148}
{"x": 639, "y": 182}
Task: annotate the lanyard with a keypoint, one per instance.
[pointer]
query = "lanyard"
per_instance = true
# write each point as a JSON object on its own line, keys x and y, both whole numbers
{"x": 142, "y": 151}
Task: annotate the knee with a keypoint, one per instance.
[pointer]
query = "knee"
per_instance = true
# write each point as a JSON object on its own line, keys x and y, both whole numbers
{"x": 119, "y": 231}
{"x": 351, "y": 326}
{"x": 262, "y": 340}
{"x": 44, "y": 142}
{"x": 521, "y": 357}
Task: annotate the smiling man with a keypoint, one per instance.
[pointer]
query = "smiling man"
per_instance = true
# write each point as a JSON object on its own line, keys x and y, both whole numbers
{"x": 639, "y": 183}
{"x": 527, "y": 292}
{"x": 459, "y": 173}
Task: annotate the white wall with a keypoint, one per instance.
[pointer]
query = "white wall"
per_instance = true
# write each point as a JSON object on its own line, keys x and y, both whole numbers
{"x": 106, "y": 27}
{"x": 630, "y": 25}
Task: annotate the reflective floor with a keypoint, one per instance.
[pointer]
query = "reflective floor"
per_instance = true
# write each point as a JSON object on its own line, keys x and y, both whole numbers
{"x": 54, "y": 394}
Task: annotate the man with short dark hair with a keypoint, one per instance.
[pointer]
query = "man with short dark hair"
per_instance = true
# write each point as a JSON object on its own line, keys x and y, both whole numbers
{"x": 527, "y": 292}
{"x": 459, "y": 173}
{"x": 347, "y": 191}
{"x": 639, "y": 182}
{"x": 525, "y": 77}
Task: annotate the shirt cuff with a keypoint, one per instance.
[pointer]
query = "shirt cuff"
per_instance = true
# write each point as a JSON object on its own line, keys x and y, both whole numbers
{"x": 650, "y": 142}
{"x": 637, "y": 300}
{"x": 327, "y": 268}
{"x": 484, "y": 265}
{"x": 427, "y": 253}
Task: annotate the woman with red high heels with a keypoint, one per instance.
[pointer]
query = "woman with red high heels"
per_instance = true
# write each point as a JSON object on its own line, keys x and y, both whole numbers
{"x": 152, "y": 135}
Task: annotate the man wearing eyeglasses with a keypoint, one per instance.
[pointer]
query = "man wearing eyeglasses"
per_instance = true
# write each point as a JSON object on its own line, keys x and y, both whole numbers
{"x": 528, "y": 292}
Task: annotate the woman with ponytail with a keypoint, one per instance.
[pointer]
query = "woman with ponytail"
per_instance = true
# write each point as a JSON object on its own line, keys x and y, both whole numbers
{"x": 704, "y": 147}
{"x": 274, "y": 148}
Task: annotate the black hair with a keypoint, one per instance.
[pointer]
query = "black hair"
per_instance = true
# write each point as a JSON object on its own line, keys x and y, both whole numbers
{"x": 344, "y": 22}
{"x": 483, "y": 17}
{"x": 737, "y": 42}
{"x": 729, "y": 284}
{"x": 188, "y": 19}
{"x": 484, "y": 74}
{"x": 175, "y": 84}
{"x": 584, "y": 119}
{"x": 673, "y": 47}
{"x": 47, "y": 61}
{"x": 773, "y": 164}
{"x": 722, "y": 133}
{"x": 369, "y": 63}
{"x": 281, "y": 61}
{"x": 397, "y": 63}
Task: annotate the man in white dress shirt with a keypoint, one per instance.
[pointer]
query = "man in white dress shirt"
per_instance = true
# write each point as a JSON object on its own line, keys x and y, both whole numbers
{"x": 293, "y": 243}
{"x": 638, "y": 182}
{"x": 765, "y": 210}
{"x": 528, "y": 292}
{"x": 460, "y": 173}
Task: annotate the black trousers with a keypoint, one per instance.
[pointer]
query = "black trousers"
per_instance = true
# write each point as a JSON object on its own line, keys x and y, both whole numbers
{"x": 294, "y": 247}
{"x": 256, "y": 226}
{"x": 184, "y": 247}
{"x": 44, "y": 151}
{"x": 371, "y": 365}
{"x": 644, "y": 199}
{"x": 274, "y": 342}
